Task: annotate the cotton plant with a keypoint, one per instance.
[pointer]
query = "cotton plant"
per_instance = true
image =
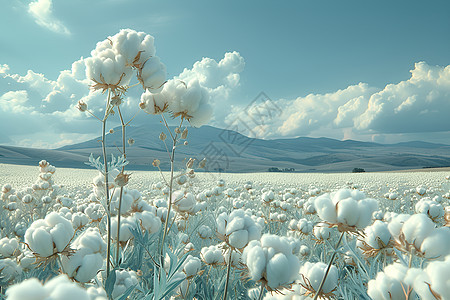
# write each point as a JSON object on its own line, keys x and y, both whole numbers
{"x": 377, "y": 237}
{"x": 9, "y": 247}
{"x": 10, "y": 271}
{"x": 432, "y": 281}
{"x": 271, "y": 261}
{"x": 311, "y": 277}
{"x": 390, "y": 283}
{"x": 349, "y": 210}
{"x": 433, "y": 209}
{"x": 418, "y": 233}
{"x": 88, "y": 257}
{"x": 49, "y": 236}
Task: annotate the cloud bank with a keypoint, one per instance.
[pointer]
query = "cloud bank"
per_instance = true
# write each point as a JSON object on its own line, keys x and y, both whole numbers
{"x": 417, "y": 105}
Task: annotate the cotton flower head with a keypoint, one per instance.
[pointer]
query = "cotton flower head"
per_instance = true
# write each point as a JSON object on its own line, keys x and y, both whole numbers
{"x": 237, "y": 228}
{"x": 350, "y": 210}
{"x": 272, "y": 261}
{"x": 87, "y": 260}
{"x": 311, "y": 277}
{"x": 50, "y": 235}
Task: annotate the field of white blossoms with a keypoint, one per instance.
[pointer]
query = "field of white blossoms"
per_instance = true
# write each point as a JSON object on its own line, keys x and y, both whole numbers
{"x": 109, "y": 233}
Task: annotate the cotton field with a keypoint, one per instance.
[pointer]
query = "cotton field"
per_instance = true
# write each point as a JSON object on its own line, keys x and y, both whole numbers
{"x": 112, "y": 233}
{"x": 274, "y": 236}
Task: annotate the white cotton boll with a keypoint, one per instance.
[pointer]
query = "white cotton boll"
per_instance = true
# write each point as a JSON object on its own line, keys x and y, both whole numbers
{"x": 9, "y": 247}
{"x": 149, "y": 221}
{"x": 96, "y": 293}
{"x": 191, "y": 266}
{"x": 396, "y": 223}
{"x": 377, "y": 234}
{"x": 127, "y": 201}
{"x": 94, "y": 211}
{"x": 315, "y": 272}
{"x": 126, "y": 225}
{"x": 431, "y": 208}
{"x": 212, "y": 255}
{"x": 388, "y": 284}
{"x": 322, "y": 231}
{"x": 153, "y": 74}
{"x": 30, "y": 289}
{"x": 235, "y": 225}
{"x": 205, "y": 232}
{"x": 273, "y": 259}
{"x": 9, "y": 270}
{"x": 87, "y": 260}
{"x": 255, "y": 259}
{"x": 183, "y": 202}
{"x": 366, "y": 207}
{"x": 61, "y": 288}
{"x": 347, "y": 211}
{"x": 238, "y": 239}
{"x": 417, "y": 228}
{"x": 305, "y": 226}
{"x": 202, "y": 115}
{"x": 129, "y": 43}
{"x": 325, "y": 208}
{"x": 79, "y": 220}
{"x": 53, "y": 230}
{"x": 281, "y": 269}
{"x": 437, "y": 244}
{"x": 27, "y": 260}
{"x": 438, "y": 274}
{"x": 124, "y": 280}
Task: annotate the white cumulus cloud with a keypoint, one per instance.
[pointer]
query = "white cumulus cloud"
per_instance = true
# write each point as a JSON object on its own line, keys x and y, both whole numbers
{"x": 42, "y": 12}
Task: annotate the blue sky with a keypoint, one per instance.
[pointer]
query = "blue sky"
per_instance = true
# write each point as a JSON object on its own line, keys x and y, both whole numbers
{"x": 335, "y": 68}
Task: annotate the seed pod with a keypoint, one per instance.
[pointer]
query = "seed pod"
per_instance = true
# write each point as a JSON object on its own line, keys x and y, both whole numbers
{"x": 122, "y": 179}
{"x": 116, "y": 100}
{"x": 156, "y": 163}
{"x": 142, "y": 105}
{"x": 162, "y": 136}
{"x": 190, "y": 163}
{"x": 82, "y": 106}
{"x": 185, "y": 143}
{"x": 111, "y": 131}
{"x": 130, "y": 141}
{"x": 184, "y": 134}
{"x": 177, "y": 130}
{"x": 202, "y": 163}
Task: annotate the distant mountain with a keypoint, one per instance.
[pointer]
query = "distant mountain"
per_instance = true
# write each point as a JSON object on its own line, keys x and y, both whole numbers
{"x": 229, "y": 151}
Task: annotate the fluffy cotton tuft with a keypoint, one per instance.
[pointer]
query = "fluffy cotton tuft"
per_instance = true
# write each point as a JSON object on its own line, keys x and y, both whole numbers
{"x": 237, "y": 228}
{"x": 346, "y": 207}
{"x": 271, "y": 258}
{"x": 50, "y": 235}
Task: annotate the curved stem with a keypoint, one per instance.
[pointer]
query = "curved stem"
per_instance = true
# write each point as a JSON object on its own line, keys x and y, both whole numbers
{"x": 172, "y": 157}
{"x": 228, "y": 275}
{"x": 108, "y": 204}
{"x": 329, "y": 267}
{"x": 121, "y": 188}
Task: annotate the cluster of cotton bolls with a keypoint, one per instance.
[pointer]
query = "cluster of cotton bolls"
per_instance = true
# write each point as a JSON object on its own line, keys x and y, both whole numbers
{"x": 189, "y": 100}
{"x": 113, "y": 61}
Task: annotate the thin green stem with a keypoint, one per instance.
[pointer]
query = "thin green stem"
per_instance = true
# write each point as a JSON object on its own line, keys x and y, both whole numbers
{"x": 261, "y": 292}
{"x": 172, "y": 157}
{"x": 121, "y": 188}
{"x": 228, "y": 275}
{"x": 329, "y": 267}
{"x": 108, "y": 204}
